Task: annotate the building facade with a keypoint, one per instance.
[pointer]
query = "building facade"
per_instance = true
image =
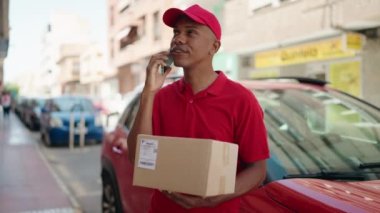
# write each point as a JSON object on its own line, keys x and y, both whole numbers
{"x": 69, "y": 67}
{"x": 337, "y": 41}
{"x": 67, "y": 35}
{"x": 136, "y": 32}
{"x": 92, "y": 69}
{"x": 4, "y": 36}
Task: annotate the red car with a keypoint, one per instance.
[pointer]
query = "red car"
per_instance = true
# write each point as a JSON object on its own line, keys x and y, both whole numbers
{"x": 325, "y": 153}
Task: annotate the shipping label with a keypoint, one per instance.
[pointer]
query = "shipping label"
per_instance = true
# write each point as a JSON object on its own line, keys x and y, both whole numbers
{"x": 148, "y": 154}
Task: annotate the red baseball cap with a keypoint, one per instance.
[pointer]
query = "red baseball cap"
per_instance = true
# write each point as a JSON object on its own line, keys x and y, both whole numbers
{"x": 195, "y": 13}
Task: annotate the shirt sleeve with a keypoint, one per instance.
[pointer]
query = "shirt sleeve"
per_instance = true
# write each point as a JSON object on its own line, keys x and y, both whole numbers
{"x": 250, "y": 131}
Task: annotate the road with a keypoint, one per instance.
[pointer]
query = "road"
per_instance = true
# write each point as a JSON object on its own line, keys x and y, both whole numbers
{"x": 78, "y": 172}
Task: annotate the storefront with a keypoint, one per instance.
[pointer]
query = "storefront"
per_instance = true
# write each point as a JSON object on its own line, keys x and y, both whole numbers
{"x": 337, "y": 60}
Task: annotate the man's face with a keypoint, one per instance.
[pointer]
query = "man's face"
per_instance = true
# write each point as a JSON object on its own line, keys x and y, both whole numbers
{"x": 192, "y": 43}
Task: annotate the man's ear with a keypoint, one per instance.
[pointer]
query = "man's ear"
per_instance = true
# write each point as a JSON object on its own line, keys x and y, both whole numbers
{"x": 215, "y": 47}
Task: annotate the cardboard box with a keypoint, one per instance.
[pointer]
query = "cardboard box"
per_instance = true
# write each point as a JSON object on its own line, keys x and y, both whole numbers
{"x": 200, "y": 167}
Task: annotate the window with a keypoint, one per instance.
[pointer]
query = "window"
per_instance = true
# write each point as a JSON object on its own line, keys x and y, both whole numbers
{"x": 132, "y": 112}
{"x": 156, "y": 26}
{"x": 111, "y": 49}
{"x": 141, "y": 28}
{"x": 245, "y": 61}
{"x": 111, "y": 15}
{"x": 76, "y": 67}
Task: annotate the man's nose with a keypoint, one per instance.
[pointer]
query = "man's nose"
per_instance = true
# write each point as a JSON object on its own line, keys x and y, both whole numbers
{"x": 178, "y": 39}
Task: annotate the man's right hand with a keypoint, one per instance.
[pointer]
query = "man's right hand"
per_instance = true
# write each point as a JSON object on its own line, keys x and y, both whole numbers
{"x": 153, "y": 82}
{"x": 154, "y": 78}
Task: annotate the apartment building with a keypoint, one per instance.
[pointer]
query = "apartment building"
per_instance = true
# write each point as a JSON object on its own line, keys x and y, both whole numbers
{"x": 67, "y": 35}
{"x": 334, "y": 40}
{"x": 136, "y": 32}
{"x": 4, "y": 36}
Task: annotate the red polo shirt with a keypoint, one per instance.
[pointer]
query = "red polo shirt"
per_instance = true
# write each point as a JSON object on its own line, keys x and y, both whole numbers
{"x": 224, "y": 111}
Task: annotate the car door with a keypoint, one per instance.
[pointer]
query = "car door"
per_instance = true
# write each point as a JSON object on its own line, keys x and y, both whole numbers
{"x": 134, "y": 199}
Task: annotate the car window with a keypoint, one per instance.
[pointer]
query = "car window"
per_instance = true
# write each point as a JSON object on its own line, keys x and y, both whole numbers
{"x": 40, "y": 102}
{"x": 67, "y": 104}
{"x": 313, "y": 131}
{"x": 124, "y": 115}
{"x": 131, "y": 115}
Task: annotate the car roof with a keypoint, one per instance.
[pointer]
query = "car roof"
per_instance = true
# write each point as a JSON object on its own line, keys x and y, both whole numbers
{"x": 71, "y": 97}
{"x": 285, "y": 83}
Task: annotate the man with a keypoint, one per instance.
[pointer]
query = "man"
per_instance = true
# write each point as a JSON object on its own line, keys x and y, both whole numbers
{"x": 6, "y": 103}
{"x": 203, "y": 104}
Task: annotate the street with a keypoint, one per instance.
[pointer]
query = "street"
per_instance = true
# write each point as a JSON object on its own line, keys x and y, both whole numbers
{"x": 79, "y": 170}
{"x": 271, "y": 105}
{"x": 76, "y": 171}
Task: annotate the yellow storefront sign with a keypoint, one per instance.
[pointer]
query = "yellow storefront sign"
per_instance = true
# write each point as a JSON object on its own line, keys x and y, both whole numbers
{"x": 346, "y": 77}
{"x": 354, "y": 41}
{"x": 343, "y": 46}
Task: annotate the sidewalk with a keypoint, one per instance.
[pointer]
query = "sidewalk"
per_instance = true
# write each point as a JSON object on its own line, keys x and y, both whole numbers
{"x": 26, "y": 182}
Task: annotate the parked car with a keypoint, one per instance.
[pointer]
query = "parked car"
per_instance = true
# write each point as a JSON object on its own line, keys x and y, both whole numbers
{"x": 20, "y": 106}
{"x": 32, "y": 112}
{"x": 55, "y": 120}
{"x": 324, "y": 144}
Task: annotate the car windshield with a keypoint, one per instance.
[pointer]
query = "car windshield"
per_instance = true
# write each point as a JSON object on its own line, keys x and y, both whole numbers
{"x": 68, "y": 104}
{"x": 312, "y": 131}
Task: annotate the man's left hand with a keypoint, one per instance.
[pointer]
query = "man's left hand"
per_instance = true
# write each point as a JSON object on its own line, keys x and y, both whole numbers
{"x": 249, "y": 178}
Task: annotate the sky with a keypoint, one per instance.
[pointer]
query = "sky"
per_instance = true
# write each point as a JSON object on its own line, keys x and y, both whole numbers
{"x": 28, "y": 20}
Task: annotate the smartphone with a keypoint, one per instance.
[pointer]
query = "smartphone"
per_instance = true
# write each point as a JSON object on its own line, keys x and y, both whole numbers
{"x": 168, "y": 63}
